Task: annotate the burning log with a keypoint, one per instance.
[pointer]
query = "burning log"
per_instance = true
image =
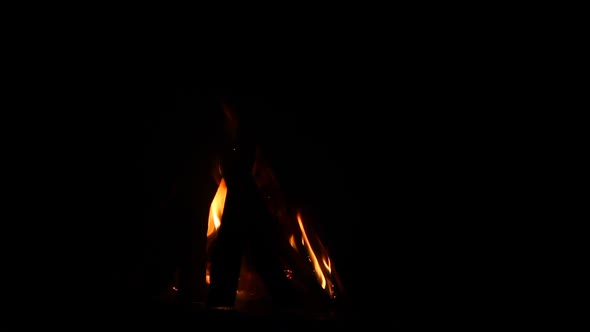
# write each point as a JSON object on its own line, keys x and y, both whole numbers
{"x": 226, "y": 254}
{"x": 192, "y": 284}
{"x": 246, "y": 229}
{"x": 245, "y": 223}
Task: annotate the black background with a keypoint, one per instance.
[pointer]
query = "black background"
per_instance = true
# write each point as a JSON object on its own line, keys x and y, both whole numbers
{"x": 396, "y": 155}
{"x": 381, "y": 168}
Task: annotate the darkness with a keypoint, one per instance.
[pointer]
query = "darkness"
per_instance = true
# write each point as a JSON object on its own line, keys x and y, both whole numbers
{"x": 155, "y": 161}
{"x": 391, "y": 158}
{"x": 339, "y": 156}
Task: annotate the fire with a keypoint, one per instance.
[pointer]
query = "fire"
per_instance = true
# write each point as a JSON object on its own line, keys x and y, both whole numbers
{"x": 327, "y": 264}
{"x": 292, "y": 241}
{"x": 322, "y": 265}
{"x": 216, "y": 210}
{"x": 215, "y": 213}
{"x": 314, "y": 260}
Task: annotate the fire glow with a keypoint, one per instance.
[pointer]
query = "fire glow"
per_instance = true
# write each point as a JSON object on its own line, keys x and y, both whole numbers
{"x": 320, "y": 261}
{"x": 324, "y": 281}
{"x": 215, "y": 213}
{"x": 314, "y": 260}
{"x": 216, "y": 210}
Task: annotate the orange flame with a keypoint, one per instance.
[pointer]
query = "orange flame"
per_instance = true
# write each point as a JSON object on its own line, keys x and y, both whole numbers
{"x": 292, "y": 241}
{"x": 215, "y": 213}
{"x": 328, "y": 265}
{"x": 322, "y": 271}
{"x": 216, "y": 210}
{"x": 316, "y": 265}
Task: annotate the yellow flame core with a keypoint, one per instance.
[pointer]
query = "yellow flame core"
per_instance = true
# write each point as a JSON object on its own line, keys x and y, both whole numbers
{"x": 314, "y": 260}
{"x": 216, "y": 210}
